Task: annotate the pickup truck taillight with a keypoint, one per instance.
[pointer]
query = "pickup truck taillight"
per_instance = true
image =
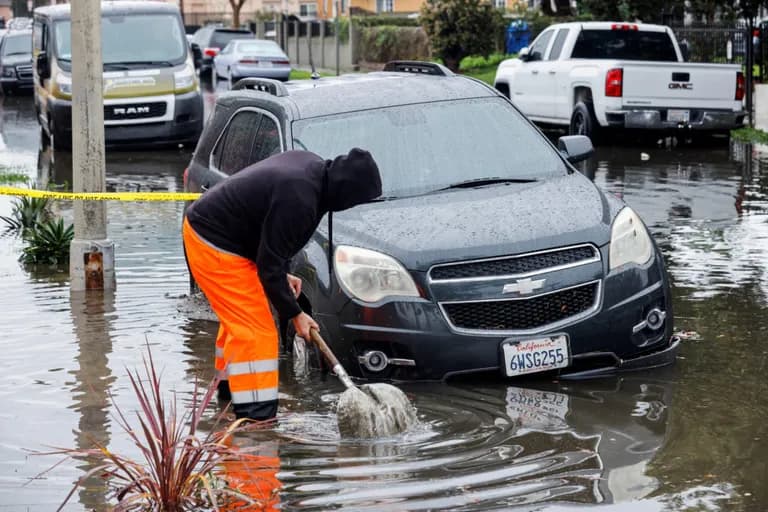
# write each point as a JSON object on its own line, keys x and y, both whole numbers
{"x": 740, "y": 86}
{"x": 211, "y": 52}
{"x": 614, "y": 83}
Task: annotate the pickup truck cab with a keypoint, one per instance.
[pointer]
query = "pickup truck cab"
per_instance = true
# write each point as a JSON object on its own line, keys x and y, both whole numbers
{"x": 597, "y": 75}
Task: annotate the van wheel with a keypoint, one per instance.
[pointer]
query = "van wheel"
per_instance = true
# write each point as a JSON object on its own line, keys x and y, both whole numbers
{"x": 583, "y": 121}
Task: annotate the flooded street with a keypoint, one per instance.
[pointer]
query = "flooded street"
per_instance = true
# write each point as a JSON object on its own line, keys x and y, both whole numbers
{"x": 693, "y": 437}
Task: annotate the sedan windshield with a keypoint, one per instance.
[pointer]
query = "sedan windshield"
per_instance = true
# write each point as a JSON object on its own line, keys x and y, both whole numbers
{"x": 433, "y": 146}
{"x": 137, "y": 38}
{"x": 17, "y": 45}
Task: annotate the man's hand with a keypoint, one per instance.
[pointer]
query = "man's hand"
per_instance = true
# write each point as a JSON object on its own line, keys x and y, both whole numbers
{"x": 295, "y": 284}
{"x": 303, "y": 323}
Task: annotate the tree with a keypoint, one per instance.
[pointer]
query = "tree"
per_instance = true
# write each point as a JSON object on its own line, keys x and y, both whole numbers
{"x": 458, "y": 28}
{"x": 237, "y": 5}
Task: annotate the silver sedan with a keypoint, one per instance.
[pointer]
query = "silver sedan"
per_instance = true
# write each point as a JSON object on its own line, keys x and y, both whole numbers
{"x": 251, "y": 58}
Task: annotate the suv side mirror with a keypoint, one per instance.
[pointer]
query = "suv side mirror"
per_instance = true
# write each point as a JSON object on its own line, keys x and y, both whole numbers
{"x": 43, "y": 67}
{"x": 575, "y": 148}
{"x": 197, "y": 55}
{"x": 524, "y": 54}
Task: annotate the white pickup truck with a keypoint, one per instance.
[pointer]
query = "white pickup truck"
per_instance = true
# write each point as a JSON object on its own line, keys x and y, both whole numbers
{"x": 598, "y": 75}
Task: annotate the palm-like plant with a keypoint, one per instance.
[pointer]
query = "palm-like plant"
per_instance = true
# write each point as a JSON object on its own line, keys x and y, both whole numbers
{"x": 48, "y": 243}
{"x": 177, "y": 470}
{"x": 27, "y": 214}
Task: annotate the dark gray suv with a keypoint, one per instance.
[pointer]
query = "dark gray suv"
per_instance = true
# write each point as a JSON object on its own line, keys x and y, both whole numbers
{"x": 489, "y": 252}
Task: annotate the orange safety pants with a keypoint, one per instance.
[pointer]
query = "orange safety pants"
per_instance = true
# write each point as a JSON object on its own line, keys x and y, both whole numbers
{"x": 254, "y": 475}
{"x": 247, "y": 343}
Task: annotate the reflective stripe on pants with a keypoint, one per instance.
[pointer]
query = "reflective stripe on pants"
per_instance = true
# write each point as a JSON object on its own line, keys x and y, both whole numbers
{"x": 247, "y": 342}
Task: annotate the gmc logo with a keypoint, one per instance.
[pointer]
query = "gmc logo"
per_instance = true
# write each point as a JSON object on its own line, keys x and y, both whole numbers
{"x": 678, "y": 85}
{"x": 128, "y": 111}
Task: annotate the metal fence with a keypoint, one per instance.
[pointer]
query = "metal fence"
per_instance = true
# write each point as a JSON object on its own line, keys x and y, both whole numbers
{"x": 714, "y": 44}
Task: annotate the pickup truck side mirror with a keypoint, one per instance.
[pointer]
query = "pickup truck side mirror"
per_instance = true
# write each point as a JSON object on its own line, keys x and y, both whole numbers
{"x": 524, "y": 54}
{"x": 575, "y": 148}
{"x": 43, "y": 67}
{"x": 197, "y": 55}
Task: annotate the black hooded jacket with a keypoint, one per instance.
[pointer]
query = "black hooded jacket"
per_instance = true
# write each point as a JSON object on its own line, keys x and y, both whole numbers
{"x": 267, "y": 212}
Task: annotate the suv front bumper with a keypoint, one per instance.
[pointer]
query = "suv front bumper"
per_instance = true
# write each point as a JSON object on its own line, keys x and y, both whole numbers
{"x": 657, "y": 119}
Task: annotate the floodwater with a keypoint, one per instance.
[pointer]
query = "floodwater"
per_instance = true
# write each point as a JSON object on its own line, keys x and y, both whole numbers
{"x": 690, "y": 437}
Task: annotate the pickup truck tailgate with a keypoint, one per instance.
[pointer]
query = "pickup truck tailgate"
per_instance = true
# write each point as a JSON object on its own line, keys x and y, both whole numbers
{"x": 684, "y": 85}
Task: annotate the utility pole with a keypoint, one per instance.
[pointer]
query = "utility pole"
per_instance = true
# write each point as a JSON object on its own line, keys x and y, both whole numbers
{"x": 92, "y": 255}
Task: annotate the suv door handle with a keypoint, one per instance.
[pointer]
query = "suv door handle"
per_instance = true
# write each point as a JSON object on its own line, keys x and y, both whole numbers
{"x": 552, "y": 71}
{"x": 534, "y": 71}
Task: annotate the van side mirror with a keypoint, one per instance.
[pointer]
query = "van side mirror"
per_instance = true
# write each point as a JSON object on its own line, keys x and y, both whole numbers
{"x": 43, "y": 66}
{"x": 197, "y": 55}
{"x": 575, "y": 148}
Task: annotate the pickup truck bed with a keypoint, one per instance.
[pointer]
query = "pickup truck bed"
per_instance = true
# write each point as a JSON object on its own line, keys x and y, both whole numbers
{"x": 569, "y": 77}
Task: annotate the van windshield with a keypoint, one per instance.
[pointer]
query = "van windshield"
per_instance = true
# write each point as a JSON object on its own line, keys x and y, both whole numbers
{"x": 140, "y": 39}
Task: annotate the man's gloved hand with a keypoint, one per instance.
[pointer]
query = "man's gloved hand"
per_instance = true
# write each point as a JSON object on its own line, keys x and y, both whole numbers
{"x": 295, "y": 284}
{"x": 303, "y": 323}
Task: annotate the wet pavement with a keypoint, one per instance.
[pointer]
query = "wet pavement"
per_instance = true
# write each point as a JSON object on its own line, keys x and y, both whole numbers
{"x": 690, "y": 437}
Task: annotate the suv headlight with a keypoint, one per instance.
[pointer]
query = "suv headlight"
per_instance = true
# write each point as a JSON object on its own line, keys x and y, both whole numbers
{"x": 184, "y": 80}
{"x": 370, "y": 276}
{"x": 630, "y": 242}
{"x": 8, "y": 72}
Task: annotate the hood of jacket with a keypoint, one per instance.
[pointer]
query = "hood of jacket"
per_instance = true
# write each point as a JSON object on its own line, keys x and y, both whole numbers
{"x": 351, "y": 179}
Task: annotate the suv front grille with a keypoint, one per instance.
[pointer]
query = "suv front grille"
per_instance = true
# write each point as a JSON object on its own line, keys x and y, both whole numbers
{"x": 523, "y": 314}
{"x": 144, "y": 110}
{"x": 24, "y": 72}
{"x": 515, "y": 265}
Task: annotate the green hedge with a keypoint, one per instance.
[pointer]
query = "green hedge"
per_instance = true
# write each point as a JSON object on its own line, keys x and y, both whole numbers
{"x": 390, "y": 21}
{"x": 385, "y": 43}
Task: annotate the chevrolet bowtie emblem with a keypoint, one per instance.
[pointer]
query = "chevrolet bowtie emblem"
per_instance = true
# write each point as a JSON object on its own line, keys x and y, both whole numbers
{"x": 523, "y": 286}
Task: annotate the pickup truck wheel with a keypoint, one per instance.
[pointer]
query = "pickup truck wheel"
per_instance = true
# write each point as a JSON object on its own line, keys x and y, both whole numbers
{"x": 583, "y": 121}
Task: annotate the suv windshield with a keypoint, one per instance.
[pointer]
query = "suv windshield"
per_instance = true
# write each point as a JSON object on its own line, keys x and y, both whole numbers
{"x": 156, "y": 39}
{"x": 624, "y": 45}
{"x": 17, "y": 45}
{"x": 427, "y": 147}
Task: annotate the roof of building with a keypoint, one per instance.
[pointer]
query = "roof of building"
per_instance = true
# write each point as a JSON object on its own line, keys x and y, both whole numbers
{"x": 60, "y": 11}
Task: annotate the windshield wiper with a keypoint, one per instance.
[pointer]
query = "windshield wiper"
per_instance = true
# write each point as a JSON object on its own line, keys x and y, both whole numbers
{"x": 166, "y": 63}
{"x": 481, "y": 182}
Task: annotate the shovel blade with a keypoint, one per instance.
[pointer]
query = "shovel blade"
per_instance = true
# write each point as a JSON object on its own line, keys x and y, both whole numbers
{"x": 374, "y": 410}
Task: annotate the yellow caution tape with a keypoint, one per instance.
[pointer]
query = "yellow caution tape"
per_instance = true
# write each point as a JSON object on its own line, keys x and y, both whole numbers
{"x": 100, "y": 196}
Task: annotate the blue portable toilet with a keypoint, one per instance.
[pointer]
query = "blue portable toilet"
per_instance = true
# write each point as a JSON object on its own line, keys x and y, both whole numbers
{"x": 518, "y": 35}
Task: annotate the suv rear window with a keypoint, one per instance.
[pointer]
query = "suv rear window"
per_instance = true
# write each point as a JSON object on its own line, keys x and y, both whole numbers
{"x": 624, "y": 45}
{"x": 220, "y": 38}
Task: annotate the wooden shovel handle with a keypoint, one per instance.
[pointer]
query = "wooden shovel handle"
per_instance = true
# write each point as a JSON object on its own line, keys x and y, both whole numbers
{"x": 320, "y": 342}
{"x": 339, "y": 370}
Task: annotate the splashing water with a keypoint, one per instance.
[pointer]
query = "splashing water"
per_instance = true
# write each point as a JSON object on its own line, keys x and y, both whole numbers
{"x": 374, "y": 410}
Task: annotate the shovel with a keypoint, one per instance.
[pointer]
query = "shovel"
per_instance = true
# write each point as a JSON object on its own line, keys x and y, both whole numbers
{"x": 372, "y": 410}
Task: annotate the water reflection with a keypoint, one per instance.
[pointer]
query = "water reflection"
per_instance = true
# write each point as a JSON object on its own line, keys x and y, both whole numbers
{"x": 92, "y": 316}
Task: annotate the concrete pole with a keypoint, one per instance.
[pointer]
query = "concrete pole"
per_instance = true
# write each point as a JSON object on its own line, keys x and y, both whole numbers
{"x": 92, "y": 255}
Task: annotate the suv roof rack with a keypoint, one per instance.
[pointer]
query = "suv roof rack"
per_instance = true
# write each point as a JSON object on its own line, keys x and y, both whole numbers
{"x": 417, "y": 67}
{"x": 273, "y": 87}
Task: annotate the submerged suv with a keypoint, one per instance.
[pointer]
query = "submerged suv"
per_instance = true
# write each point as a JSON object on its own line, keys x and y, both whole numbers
{"x": 488, "y": 251}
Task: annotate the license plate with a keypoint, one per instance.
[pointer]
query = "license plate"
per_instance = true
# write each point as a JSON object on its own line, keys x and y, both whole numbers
{"x": 537, "y": 410}
{"x": 522, "y": 357}
{"x": 266, "y": 64}
{"x": 678, "y": 116}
